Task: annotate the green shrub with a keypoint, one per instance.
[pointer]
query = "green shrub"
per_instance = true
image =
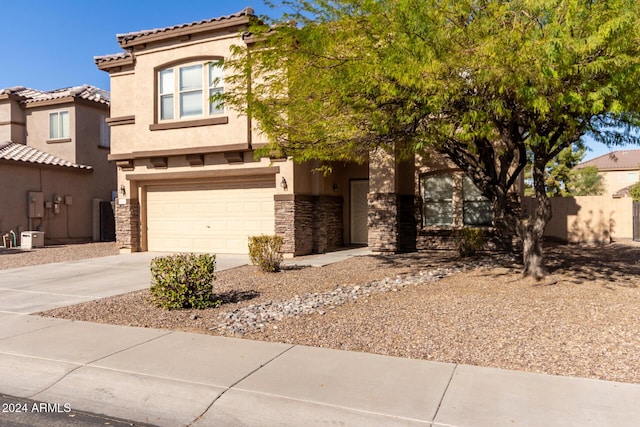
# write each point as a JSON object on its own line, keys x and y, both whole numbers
{"x": 183, "y": 281}
{"x": 470, "y": 241}
{"x": 266, "y": 252}
{"x": 634, "y": 192}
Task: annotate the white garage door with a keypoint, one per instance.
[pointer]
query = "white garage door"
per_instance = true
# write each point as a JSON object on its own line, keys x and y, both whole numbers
{"x": 214, "y": 218}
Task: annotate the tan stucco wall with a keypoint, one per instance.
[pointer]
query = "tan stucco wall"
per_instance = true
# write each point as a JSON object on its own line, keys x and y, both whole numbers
{"x": 135, "y": 95}
{"x": 617, "y": 180}
{"x": 38, "y": 131}
{"x": 589, "y": 219}
{"x": 74, "y": 222}
{"x": 12, "y": 121}
{"x": 89, "y": 152}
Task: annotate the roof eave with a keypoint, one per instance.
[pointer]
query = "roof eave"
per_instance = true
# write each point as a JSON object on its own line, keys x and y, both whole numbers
{"x": 115, "y": 64}
{"x": 140, "y": 41}
{"x": 74, "y": 169}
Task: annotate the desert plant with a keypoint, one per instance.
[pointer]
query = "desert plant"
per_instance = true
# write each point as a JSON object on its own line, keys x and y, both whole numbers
{"x": 183, "y": 281}
{"x": 266, "y": 252}
{"x": 470, "y": 241}
{"x": 634, "y": 192}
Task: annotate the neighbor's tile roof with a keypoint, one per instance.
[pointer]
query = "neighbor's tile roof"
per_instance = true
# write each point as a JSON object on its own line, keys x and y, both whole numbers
{"x": 90, "y": 93}
{"x": 615, "y": 160}
{"x": 128, "y": 37}
{"x": 24, "y": 153}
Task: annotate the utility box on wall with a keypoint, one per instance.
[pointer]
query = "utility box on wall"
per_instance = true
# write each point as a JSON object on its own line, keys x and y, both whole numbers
{"x": 35, "y": 204}
{"x": 31, "y": 239}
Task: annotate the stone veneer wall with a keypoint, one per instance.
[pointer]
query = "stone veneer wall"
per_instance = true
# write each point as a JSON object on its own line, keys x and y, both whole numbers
{"x": 446, "y": 239}
{"x": 392, "y": 222}
{"x": 383, "y": 222}
{"x": 308, "y": 224}
{"x": 327, "y": 223}
{"x": 128, "y": 225}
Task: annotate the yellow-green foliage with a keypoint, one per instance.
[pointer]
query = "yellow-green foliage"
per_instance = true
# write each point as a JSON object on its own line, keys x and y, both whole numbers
{"x": 266, "y": 252}
{"x": 635, "y": 192}
{"x": 183, "y": 281}
{"x": 470, "y": 241}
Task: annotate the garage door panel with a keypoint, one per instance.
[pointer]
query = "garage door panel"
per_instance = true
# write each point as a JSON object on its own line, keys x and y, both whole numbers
{"x": 214, "y": 218}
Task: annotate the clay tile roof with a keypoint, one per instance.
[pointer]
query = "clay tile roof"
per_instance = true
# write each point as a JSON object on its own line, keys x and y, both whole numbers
{"x": 124, "y": 39}
{"x": 23, "y": 153}
{"x": 111, "y": 58}
{"x": 90, "y": 93}
{"x": 615, "y": 160}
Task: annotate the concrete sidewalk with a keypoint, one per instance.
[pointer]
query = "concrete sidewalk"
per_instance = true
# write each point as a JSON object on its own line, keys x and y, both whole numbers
{"x": 175, "y": 378}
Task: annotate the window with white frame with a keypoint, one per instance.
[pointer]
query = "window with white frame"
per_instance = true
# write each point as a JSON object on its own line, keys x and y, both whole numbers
{"x": 441, "y": 198}
{"x": 185, "y": 91}
{"x": 59, "y": 125}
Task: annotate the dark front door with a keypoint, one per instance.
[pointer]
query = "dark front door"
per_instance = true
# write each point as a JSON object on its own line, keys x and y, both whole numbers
{"x": 107, "y": 222}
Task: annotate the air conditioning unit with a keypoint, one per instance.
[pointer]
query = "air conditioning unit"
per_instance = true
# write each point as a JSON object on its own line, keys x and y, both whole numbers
{"x": 31, "y": 239}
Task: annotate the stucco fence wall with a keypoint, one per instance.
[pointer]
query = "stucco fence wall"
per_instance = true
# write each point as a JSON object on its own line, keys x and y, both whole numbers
{"x": 588, "y": 219}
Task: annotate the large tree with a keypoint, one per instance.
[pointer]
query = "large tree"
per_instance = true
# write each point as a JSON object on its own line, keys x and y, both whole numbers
{"x": 482, "y": 81}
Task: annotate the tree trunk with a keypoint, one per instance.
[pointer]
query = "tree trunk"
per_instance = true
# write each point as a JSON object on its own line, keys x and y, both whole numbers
{"x": 533, "y": 229}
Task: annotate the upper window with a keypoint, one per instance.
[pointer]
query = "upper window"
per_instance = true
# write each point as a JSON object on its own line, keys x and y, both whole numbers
{"x": 59, "y": 125}
{"x": 105, "y": 134}
{"x": 185, "y": 91}
{"x": 445, "y": 197}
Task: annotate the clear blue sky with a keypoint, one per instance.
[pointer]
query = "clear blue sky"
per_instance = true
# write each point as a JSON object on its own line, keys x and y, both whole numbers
{"x": 49, "y": 45}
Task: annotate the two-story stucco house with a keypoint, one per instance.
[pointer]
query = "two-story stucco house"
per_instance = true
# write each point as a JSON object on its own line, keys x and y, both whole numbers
{"x": 189, "y": 181}
{"x": 53, "y": 161}
{"x": 620, "y": 170}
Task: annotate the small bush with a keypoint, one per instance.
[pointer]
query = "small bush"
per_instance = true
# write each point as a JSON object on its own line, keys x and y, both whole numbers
{"x": 266, "y": 252}
{"x": 634, "y": 192}
{"x": 470, "y": 241}
{"x": 183, "y": 281}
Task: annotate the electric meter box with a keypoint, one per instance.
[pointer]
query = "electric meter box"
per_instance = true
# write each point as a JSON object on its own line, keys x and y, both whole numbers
{"x": 31, "y": 239}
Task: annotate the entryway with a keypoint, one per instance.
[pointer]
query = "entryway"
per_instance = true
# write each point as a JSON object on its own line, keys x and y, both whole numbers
{"x": 359, "y": 209}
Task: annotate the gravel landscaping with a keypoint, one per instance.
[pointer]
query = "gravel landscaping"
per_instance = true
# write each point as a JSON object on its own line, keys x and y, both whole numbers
{"x": 582, "y": 320}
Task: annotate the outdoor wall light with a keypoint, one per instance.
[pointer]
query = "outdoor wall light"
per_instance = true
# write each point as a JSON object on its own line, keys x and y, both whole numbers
{"x": 123, "y": 191}
{"x": 335, "y": 188}
{"x": 283, "y": 184}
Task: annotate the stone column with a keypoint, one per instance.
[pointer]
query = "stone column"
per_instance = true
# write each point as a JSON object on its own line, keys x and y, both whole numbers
{"x": 294, "y": 222}
{"x": 128, "y": 225}
{"x": 392, "y": 206}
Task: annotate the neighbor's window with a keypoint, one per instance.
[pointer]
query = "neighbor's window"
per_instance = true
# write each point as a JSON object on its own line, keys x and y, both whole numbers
{"x": 438, "y": 200}
{"x": 476, "y": 208}
{"x": 105, "y": 134}
{"x": 185, "y": 91}
{"x": 59, "y": 125}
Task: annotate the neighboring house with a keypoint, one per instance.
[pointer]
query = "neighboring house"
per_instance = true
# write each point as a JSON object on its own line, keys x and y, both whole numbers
{"x": 53, "y": 162}
{"x": 620, "y": 170}
{"x": 188, "y": 179}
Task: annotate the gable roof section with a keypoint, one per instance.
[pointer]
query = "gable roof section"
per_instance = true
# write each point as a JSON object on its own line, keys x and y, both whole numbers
{"x": 12, "y": 151}
{"x": 138, "y": 38}
{"x": 615, "y": 160}
{"x": 33, "y": 96}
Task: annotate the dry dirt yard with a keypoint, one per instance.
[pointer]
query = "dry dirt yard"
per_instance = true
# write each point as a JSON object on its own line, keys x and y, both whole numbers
{"x": 583, "y": 320}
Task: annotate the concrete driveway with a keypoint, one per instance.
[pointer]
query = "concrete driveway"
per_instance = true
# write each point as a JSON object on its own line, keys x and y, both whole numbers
{"x": 28, "y": 290}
